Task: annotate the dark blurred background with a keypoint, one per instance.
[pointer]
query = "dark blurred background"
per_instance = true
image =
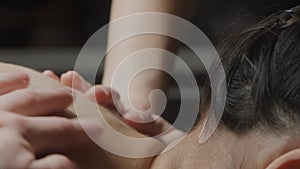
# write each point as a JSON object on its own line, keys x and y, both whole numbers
{"x": 48, "y": 34}
{"x": 69, "y": 23}
{"x": 32, "y": 31}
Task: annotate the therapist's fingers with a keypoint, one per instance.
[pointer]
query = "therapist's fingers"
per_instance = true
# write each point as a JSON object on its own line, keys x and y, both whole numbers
{"x": 57, "y": 134}
{"x": 146, "y": 123}
{"x": 16, "y": 150}
{"x": 13, "y": 81}
{"x": 55, "y": 161}
{"x": 105, "y": 96}
{"x": 75, "y": 80}
{"x": 157, "y": 126}
{"x": 36, "y": 102}
{"x": 51, "y": 74}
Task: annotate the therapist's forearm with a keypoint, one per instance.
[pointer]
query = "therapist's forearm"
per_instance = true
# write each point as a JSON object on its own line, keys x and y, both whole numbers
{"x": 148, "y": 80}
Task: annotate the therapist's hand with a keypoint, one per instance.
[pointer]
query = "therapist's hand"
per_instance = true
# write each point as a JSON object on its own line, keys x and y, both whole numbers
{"x": 34, "y": 102}
{"x": 98, "y": 93}
{"x": 30, "y": 142}
{"x": 104, "y": 96}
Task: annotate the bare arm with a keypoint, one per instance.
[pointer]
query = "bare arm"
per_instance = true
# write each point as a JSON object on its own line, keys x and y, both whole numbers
{"x": 148, "y": 80}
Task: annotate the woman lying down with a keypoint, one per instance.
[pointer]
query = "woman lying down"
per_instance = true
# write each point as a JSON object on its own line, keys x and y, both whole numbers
{"x": 260, "y": 127}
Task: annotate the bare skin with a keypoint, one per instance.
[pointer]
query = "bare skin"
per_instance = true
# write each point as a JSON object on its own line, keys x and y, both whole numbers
{"x": 95, "y": 156}
{"x": 28, "y": 126}
{"x": 150, "y": 124}
{"x": 190, "y": 153}
{"x": 148, "y": 80}
{"x": 224, "y": 150}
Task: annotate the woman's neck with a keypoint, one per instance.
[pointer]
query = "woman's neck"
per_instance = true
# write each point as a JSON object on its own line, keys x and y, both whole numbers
{"x": 189, "y": 154}
{"x": 223, "y": 150}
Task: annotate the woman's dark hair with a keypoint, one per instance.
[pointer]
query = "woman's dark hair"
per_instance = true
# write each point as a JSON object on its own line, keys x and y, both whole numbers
{"x": 262, "y": 66}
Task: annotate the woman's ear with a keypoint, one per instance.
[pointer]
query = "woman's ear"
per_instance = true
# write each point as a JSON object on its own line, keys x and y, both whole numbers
{"x": 290, "y": 160}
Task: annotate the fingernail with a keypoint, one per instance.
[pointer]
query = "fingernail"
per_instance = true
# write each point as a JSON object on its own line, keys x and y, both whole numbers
{"x": 25, "y": 81}
{"x": 102, "y": 89}
{"x": 106, "y": 91}
{"x": 71, "y": 74}
{"x": 24, "y": 78}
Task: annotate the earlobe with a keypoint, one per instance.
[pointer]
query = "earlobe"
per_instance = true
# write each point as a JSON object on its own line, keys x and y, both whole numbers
{"x": 290, "y": 160}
